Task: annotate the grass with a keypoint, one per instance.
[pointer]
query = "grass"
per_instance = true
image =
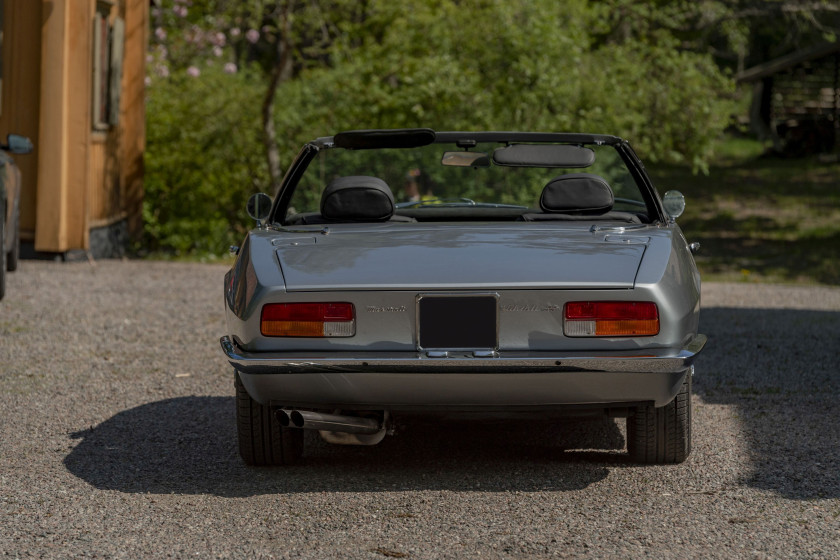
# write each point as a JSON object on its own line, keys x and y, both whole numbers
{"x": 759, "y": 218}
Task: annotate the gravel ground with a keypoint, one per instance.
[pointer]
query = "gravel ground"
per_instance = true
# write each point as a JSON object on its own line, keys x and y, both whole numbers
{"x": 118, "y": 440}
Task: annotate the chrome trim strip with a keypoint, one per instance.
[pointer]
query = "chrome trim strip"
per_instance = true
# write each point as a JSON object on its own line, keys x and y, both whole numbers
{"x": 656, "y": 361}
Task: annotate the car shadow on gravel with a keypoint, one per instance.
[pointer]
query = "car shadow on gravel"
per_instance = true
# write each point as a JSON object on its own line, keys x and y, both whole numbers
{"x": 188, "y": 445}
{"x": 778, "y": 369}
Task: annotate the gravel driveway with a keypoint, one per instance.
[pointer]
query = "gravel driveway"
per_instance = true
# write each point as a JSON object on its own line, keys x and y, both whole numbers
{"x": 118, "y": 440}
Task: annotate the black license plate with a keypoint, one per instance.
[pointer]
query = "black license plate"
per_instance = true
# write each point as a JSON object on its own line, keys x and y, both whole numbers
{"x": 458, "y": 322}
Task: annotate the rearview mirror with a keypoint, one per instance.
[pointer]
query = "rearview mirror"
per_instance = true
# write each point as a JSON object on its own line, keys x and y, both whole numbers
{"x": 465, "y": 159}
{"x": 259, "y": 206}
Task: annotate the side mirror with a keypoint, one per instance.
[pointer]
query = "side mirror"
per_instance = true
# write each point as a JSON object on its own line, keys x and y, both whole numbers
{"x": 18, "y": 144}
{"x": 674, "y": 203}
{"x": 259, "y": 206}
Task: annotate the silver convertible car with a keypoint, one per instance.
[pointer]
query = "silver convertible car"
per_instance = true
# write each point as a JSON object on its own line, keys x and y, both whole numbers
{"x": 411, "y": 271}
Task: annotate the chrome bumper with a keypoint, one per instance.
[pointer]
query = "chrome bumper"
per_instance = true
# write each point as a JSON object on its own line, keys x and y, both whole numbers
{"x": 414, "y": 379}
{"x": 660, "y": 361}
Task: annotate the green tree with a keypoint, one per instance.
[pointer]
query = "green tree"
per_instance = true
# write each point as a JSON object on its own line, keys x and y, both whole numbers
{"x": 738, "y": 33}
{"x": 236, "y": 84}
{"x": 442, "y": 68}
{"x": 202, "y": 160}
{"x": 281, "y": 37}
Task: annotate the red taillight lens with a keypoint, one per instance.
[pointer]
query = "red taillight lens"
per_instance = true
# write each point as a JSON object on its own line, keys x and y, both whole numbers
{"x": 308, "y": 319}
{"x": 610, "y": 318}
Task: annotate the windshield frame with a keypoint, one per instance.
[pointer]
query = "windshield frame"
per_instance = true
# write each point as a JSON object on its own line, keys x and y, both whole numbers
{"x": 634, "y": 165}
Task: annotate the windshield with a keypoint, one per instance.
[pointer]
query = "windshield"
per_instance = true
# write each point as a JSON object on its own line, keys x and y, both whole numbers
{"x": 488, "y": 181}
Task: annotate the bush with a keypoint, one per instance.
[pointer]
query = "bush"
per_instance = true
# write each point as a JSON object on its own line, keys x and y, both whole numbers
{"x": 204, "y": 157}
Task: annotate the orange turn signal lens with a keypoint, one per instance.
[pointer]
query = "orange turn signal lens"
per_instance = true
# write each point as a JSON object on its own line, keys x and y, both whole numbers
{"x": 610, "y": 318}
{"x": 332, "y": 319}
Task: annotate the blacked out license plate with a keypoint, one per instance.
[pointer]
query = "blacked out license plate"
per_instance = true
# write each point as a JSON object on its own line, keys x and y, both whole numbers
{"x": 458, "y": 322}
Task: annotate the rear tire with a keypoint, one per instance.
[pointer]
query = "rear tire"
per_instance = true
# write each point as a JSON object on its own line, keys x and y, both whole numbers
{"x": 662, "y": 435}
{"x": 2, "y": 250}
{"x": 14, "y": 254}
{"x": 262, "y": 440}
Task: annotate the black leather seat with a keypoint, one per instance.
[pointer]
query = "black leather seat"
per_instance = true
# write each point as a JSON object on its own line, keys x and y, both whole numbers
{"x": 357, "y": 198}
{"x": 578, "y": 197}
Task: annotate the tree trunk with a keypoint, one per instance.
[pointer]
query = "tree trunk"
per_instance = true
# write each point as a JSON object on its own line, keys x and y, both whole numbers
{"x": 282, "y": 71}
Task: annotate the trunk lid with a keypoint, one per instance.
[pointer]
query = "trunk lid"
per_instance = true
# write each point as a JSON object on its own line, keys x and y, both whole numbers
{"x": 458, "y": 257}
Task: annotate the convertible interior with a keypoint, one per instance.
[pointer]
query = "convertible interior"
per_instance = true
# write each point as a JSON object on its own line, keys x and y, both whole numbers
{"x": 363, "y": 199}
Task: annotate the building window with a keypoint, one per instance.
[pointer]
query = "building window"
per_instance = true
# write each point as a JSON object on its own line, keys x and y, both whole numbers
{"x": 108, "y": 38}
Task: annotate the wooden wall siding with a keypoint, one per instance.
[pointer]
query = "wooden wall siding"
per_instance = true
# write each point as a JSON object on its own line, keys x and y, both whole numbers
{"x": 133, "y": 112}
{"x": 105, "y": 192}
{"x": 78, "y": 178}
{"x": 61, "y": 216}
{"x": 52, "y": 161}
{"x": 78, "y": 45}
{"x": 116, "y": 159}
{"x": 808, "y": 89}
{"x": 22, "y": 95}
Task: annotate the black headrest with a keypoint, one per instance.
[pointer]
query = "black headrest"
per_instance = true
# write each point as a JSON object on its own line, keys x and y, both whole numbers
{"x": 577, "y": 193}
{"x": 357, "y": 199}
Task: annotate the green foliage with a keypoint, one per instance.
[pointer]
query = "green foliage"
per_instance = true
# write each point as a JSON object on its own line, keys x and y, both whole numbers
{"x": 203, "y": 160}
{"x": 760, "y": 218}
{"x": 506, "y": 66}
{"x": 444, "y": 64}
{"x": 740, "y": 33}
{"x": 673, "y": 111}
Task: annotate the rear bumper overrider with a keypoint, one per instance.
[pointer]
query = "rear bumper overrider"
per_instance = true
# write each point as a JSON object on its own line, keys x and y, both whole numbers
{"x": 393, "y": 380}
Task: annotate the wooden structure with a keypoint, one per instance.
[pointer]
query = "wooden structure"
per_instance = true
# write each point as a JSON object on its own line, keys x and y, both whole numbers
{"x": 796, "y": 99}
{"x": 73, "y": 76}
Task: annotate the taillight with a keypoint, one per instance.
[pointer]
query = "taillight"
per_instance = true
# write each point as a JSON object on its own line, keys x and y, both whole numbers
{"x": 308, "y": 319}
{"x": 610, "y": 318}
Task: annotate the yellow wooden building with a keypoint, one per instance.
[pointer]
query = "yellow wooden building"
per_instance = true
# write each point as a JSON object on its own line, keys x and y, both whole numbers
{"x": 73, "y": 76}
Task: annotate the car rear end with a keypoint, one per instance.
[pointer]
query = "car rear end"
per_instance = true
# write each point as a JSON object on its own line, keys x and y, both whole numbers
{"x": 340, "y": 325}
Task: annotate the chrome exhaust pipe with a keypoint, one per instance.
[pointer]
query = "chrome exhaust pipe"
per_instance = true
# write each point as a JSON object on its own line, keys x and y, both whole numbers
{"x": 308, "y": 420}
{"x": 283, "y": 417}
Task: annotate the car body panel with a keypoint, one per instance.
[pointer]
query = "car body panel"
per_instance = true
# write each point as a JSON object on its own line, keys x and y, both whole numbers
{"x": 10, "y": 196}
{"x": 460, "y": 379}
{"x": 440, "y": 257}
{"x": 463, "y": 391}
{"x": 532, "y": 269}
{"x": 530, "y": 315}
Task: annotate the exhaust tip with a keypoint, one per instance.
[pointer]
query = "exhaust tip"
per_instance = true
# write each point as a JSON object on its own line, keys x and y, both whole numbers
{"x": 283, "y": 418}
{"x": 296, "y": 419}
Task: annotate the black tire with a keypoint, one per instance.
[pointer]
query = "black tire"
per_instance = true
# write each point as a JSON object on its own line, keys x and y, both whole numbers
{"x": 2, "y": 250}
{"x": 262, "y": 440}
{"x": 662, "y": 435}
{"x": 14, "y": 254}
